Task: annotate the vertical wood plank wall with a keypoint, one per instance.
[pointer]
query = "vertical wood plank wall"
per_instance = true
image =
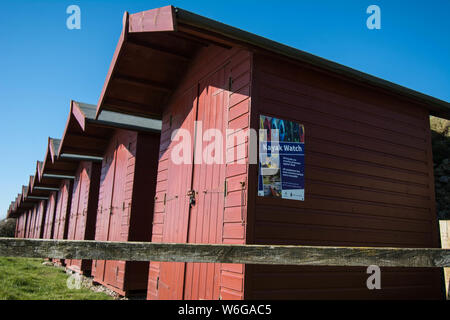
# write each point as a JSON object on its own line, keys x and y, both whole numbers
{"x": 125, "y": 205}
{"x": 84, "y": 209}
{"x": 19, "y": 226}
{"x": 115, "y": 191}
{"x": 50, "y": 215}
{"x": 32, "y": 222}
{"x": 63, "y": 204}
{"x": 26, "y": 226}
{"x": 42, "y": 209}
{"x": 238, "y": 63}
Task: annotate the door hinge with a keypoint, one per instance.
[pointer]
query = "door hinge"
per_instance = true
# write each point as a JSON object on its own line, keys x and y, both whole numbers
{"x": 230, "y": 84}
{"x": 225, "y": 189}
{"x": 157, "y": 282}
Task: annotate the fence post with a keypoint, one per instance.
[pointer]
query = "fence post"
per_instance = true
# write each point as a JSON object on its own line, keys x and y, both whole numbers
{"x": 444, "y": 226}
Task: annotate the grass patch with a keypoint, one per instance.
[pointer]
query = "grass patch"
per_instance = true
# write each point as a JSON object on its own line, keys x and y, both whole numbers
{"x": 28, "y": 279}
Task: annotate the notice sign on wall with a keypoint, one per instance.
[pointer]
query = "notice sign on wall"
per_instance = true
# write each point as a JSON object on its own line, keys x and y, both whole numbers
{"x": 281, "y": 159}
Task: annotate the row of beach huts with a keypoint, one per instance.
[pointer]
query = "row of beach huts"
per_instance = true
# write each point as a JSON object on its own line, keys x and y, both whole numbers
{"x": 368, "y": 167}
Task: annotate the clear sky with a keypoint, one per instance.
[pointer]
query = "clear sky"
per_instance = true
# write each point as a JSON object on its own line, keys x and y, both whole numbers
{"x": 43, "y": 65}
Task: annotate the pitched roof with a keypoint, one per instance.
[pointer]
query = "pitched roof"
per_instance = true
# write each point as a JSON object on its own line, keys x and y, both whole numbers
{"x": 156, "y": 46}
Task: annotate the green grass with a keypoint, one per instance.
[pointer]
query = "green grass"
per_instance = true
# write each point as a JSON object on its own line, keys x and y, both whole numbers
{"x": 28, "y": 279}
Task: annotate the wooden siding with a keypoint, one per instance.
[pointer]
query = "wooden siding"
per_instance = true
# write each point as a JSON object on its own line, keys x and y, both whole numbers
{"x": 50, "y": 215}
{"x": 84, "y": 210}
{"x": 368, "y": 182}
{"x": 40, "y": 221}
{"x": 173, "y": 180}
{"x": 26, "y": 224}
{"x": 63, "y": 204}
{"x": 125, "y": 205}
{"x": 235, "y": 212}
{"x": 20, "y": 226}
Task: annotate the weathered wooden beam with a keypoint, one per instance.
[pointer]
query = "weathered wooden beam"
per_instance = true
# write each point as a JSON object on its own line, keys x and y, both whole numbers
{"x": 225, "y": 253}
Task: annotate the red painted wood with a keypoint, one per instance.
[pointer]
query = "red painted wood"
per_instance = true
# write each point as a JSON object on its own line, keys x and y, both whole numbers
{"x": 160, "y": 19}
{"x": 173, "y": 220}
{"x": 20, "y": 226}
{"x": 26, "y": 224}
{"x": 125, "y": 205}
{"x": 84, "y": 210}
{"x": 202, "y": 280}
{"x": 63, "y": 205}
{"x": 369, "y": 178}
{"x": 171, "y": 276}
{"x": 367, "y": 183}
{"x": 40, "y": 220}
{"x": 32, "y": 229}
{"x": 50, "y": 215}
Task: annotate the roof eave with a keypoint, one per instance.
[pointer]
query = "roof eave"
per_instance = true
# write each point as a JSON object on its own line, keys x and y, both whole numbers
{"x": 171, "y": 19}
{"x": 436, "y": 106}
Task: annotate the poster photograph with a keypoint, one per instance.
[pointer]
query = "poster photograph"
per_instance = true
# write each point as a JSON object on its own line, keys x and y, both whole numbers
{"x": 281, "y": 159}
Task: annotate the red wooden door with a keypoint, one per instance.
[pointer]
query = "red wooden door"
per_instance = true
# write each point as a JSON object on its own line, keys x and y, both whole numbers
{"x": 115, "y": 270}
{"x": 64, "y": 206}
{"x": 49, "y": 216}
{"x": 41, "y": 219}
{"x": 77, "y": 209}
{"x": 202, "y": 280}
{"x": 171, "y": 277}
{"x": 36, "y": 220}
{"x": 75, "y": 204}
{"x": 29, "y": 217}
{"x": 80, "y": 225}
{"x": 59, "y": 205}
{"x": 104, "y": 206}
{"x": 25, "y": 228}
{"x": 33, "y": 223}
{"x": 201, "y": 222}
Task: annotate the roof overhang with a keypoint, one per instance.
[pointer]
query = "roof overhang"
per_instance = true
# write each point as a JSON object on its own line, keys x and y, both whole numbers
{"x": 34, "y": 188}
{"x": 156, "y": 47}
{"x": 22, "y": 204}
{"x": 28, "y": 198}
{"x": 86, "y": 138}
{"x": 53, "y": 170}
{"x": 40, "y": 181}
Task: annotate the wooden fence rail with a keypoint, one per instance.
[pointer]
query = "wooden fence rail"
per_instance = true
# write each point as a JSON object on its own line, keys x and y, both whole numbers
{"x": 226, "y": 253}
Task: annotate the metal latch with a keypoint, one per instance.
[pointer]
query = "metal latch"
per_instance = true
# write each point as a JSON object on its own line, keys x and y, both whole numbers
{"x": 191, "y": 195}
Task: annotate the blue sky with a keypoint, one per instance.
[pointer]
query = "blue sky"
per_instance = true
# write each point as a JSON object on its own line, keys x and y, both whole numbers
{"x": 43, "y": 65}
